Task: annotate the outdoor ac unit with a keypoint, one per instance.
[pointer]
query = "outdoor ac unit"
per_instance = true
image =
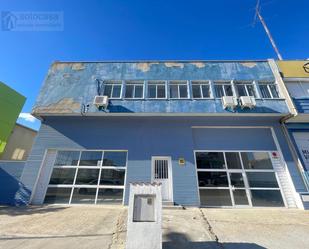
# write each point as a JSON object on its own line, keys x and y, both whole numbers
{"x": 229, "y": 102}
{"x": 247, "y": 101}
{"x": 101, "y": 101}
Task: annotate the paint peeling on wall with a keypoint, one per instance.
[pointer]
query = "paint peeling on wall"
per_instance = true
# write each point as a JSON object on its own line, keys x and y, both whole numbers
{"x": 66, "y": 105}
{"x": 70, "y": 65}
{"x": 198, "y": 64}
{"x": 174, "y": 64}
{"x": 249, "y": 64}
{"x": 78, "y": 66}
{"x": 145, "y": 67}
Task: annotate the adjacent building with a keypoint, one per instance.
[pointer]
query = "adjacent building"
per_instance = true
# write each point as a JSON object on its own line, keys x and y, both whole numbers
{"x": 295, "y": 74}
{"x": 209, "y": 131}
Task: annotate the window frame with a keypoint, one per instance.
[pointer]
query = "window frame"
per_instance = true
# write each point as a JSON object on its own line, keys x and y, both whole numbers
{"x": 157, "y": 83}
{"x": 113, "y": 83}
{"x": 245, "y": 84}
{"x": 134, "y": 84}
{"x": 97, "y": 186}
{"x": 243, "y": 170}
{"x": 222, "y": 84}
{"x": 178, "y": 83}
{"x": 267, "y": 84}
{"x": 201, "y": 83}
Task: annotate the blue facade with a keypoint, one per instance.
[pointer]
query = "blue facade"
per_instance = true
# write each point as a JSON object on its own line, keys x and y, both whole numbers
{"x": 146, "y": 127}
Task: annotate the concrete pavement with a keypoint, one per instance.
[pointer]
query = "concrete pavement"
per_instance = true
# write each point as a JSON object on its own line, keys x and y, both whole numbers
{"x": 104, "y": 227}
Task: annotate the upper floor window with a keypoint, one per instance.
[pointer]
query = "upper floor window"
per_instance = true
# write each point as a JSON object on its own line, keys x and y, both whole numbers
{"x": 113, "y": 89}
{"x": 245, "y": 89}
{"x": 134, "y": 89}
{"x": 223, "y": 89}
{"x": 200, "y": 89}
{"x": 298, "y": 89}
{"x": 268, "y": 90}
{"x": 156, "y": 90}
{"x": 178, "y": 90}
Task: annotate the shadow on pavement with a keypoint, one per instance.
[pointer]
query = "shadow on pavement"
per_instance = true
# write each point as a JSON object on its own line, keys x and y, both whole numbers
{"x": 28, "y": 210}
{"x": 181, "y": 241}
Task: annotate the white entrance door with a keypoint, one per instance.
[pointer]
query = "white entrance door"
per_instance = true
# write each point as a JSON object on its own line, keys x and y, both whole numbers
{"x": 162, "y": 173}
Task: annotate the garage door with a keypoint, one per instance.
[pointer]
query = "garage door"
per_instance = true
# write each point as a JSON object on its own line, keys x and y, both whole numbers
{"x": 238, "y": 178}
{"x": 89, "y": 176}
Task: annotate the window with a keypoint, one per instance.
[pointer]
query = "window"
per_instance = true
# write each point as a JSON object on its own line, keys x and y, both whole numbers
{"x": 223, "y": 89}
{"x": 178, "y": 90}
{"x": 245, "y": 89}
{"x": 298, "y": 89}
{"x": 134, "y": 90}
{"x": 89, "y": 176}
{"x": 200, "y": 90}
{"x": 268, "y": 90}
{"x": 235, "y": 178}
{"x": 113, "y": 89}
{"x": 156, "y": 90}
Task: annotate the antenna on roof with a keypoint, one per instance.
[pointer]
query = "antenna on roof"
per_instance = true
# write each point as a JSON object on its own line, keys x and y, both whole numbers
{"x": 258, "y": 15}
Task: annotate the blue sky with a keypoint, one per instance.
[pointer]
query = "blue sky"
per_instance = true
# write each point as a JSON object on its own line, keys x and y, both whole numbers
{"x": 129, "y": 30}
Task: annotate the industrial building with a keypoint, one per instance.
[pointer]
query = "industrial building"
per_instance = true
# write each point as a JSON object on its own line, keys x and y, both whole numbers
{"x": 209, "y": 131}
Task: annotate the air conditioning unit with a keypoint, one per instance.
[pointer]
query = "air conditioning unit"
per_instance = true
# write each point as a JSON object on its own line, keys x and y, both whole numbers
{"x": 229, "y": 102}
{"x": 101, "y": 101}
{"x": 247, "y": 102}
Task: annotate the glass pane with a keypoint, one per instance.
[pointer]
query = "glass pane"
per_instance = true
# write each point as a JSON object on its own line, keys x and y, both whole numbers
{"x": 241, "y": 90}
{"x": 115, "y": 158}
{"x": 295, "y": 89}
{"x": 138, "y": 91}
{"x": 233, "y": 160}
{"x": 215, "y": 197}
{"x": 237, "y": 180}
{"x": 212, "y": 179}
{"x": 110, "y": 196}
{"x": 183, "y": 92}
{"x": 228, "y": 90}
{"x": 174, "y": 91}
{"x": 266, "y": 198}
{"x": 87, "y": 176}
{"x": 62, "y": 176}
{"x": 219, "y": 91}
{"x": 256, "y": 160}
{"x": 196, "y": 91}
{"x": 84, "y": 195}
{"x": 240, "y": 197}
{"x": 69, "y": 158}
{"x": 262, "y": 180}
{"x": 108, "y": 90}
{"x": 274, "y": 91}
{"x": 129, "y": 91}
{"x": 206, "y": 91}
{"x": 161, "y": 91}
{"x": 58, "y": 195}
{"x": 251, "y": 90}
{"x": 305, "y": 87}
{"x": 210, "y": 160}
{"x": 264, "y": 91}
{"x": 112, "y": 177}
{"x": 91, "y": 158}
{"x": 151, "y": 91}
{"x": 116, "y": 91}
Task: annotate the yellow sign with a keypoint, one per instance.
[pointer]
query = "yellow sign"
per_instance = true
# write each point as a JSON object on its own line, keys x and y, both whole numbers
{"x": 294, "y": 69}
{"x": 181, "y": 161}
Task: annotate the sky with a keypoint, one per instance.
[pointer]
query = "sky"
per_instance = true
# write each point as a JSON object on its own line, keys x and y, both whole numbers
{"x": 96, "y": 30}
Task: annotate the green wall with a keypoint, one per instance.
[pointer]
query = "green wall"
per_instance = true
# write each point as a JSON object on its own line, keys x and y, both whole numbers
{"x": 11, "y": 103}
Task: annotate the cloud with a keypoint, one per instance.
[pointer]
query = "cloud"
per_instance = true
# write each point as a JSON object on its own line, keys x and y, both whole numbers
{"x": 27, "y": 117}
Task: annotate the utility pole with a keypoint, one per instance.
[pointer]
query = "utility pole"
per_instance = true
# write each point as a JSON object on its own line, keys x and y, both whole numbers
{"x": 258, "y": 14}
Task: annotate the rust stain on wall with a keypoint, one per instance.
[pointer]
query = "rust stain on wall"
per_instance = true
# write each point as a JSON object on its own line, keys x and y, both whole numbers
{"x": 66, "y": 105}
{"x": 248, "y": 64}
{"x": 145, "y": 67}
{"x": 174, "y": 64}
{"x": 198, "y": 64}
